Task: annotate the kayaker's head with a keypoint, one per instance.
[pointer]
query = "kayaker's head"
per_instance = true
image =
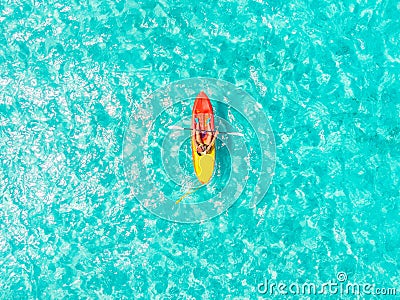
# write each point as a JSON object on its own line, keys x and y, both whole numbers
{"x": 202, "y": 149}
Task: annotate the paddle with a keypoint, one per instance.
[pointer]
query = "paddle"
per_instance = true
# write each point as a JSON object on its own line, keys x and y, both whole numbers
{"x": 223, "y": 132}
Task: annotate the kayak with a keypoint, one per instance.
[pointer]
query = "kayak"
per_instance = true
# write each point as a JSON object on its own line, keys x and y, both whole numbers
{"x": 203, "y": 111}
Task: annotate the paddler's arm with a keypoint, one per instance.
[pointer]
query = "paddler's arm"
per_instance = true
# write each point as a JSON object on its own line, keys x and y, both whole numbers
{"x": 194, "y": 137}
{"x": 212, "y": 141}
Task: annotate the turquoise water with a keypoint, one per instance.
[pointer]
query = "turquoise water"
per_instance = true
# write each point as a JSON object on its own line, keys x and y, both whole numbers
{"x": 71, "y": 73}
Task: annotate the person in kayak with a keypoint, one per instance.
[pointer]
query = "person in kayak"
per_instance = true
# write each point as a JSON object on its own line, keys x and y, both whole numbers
{"x": 204, "y": 147}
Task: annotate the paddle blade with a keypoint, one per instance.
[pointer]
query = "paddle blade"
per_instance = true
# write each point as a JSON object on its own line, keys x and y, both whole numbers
{"x": 176, "y": 127}
{"x": 235, "y": 133}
